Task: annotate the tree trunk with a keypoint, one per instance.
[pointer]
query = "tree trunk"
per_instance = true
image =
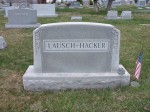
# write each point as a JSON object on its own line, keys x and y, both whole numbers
{"x": 109, "y": 5}
{"x": 54, "y": 1}
{"x": 96, "y": 6}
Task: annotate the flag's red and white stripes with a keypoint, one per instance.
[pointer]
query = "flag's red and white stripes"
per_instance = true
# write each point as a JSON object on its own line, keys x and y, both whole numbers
{"x": 138, "y": 66}
{"x": 138, "y": 69}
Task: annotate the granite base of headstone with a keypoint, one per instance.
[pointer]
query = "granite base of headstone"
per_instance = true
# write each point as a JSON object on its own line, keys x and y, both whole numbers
{"x": 75, "y": 55}
{"x": 76, "y": 18}
{"x": 22, "y": 18}
{"x": 3, "y": 43}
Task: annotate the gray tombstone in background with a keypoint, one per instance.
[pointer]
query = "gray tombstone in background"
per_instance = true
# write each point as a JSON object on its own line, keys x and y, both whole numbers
{"x": 22, "y": 18}
{"x": 112, "y": 15}
{"x": 75, "y": 55}
{"x": 3, "y": 43}
{"x": 123, "y": 2}
{"x": 75, "y": 5}
{"x": 24, "y": 4}
{"x": 45, "y": 10}
{"x": 141, "y": 3}
{"x": 76, "y": 18}
{"x": 126, "y": 15}
{"x": 7, "y": 9}
{"x": 86, "y": 3}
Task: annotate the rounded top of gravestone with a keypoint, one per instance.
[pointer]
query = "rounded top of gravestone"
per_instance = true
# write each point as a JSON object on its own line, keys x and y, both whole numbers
{"x": 76, "y": 24}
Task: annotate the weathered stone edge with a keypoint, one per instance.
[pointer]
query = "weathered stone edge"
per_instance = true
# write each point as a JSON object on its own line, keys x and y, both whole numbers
{"x": 55, "y": 81}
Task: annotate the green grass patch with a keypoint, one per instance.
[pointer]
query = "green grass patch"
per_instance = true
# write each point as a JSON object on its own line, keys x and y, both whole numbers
{"x": 15, "y": 59}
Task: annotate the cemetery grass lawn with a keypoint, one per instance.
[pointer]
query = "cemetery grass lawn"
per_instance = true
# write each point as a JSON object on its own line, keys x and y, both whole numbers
{"x": 15, "y": 59}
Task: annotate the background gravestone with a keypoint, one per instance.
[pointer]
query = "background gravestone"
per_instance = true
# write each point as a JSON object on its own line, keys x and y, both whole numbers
{"x": 76, "y": 18}
{"x": 22, "y": 4}
{"x": 112, "y": 15}
{"x": 75, "y": 55}
{"x": 22, "y": 18}
{"x": 126, "y": 15}
{"x": 3, "y": 43}
{"x": 141, "y": 3}
{"x": 86, "y": 3}
{"x": 45, "y": 10}
{"x": 75, "y": 5}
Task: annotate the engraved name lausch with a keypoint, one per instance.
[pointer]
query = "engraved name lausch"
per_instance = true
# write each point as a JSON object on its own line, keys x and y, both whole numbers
{"x": 99, "y": 45}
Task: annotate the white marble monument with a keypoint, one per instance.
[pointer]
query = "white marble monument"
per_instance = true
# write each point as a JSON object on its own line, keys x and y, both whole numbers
{"x": 75, "y": 55}
{"x": 45, "y": 10}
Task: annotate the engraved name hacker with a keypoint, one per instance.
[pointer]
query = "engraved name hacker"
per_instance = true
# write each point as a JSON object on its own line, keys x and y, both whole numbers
{"x": 76, "y": 45}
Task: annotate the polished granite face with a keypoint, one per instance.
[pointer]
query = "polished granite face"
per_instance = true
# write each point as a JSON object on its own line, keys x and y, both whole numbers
{"x": 45, "y": 10}
{"x": 22, "y": 17}
{"x": 76, "y": 47}
{"x": 112, "y": 14}
{"x": 126, "y": 14}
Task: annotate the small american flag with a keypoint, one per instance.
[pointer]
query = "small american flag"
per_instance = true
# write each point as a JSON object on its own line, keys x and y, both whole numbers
{"x": 138, "y": 66}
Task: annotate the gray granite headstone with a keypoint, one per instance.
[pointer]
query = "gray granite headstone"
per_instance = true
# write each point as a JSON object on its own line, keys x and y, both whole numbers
{"x": 75, "y": 5}
{"x": 116, "y": 3}
{"x": 123, "y": 2}
{"x": 3, "y": 43}
{"x": 75, "y": 55}
{"x": 112, "y": 15}
{"x": 141, "y": 3}
{"x": 76, "y": 18}
{"x": 86, "y": 3}
{"x": 22, "y": 18}
{"x": 45, "y": 10}
{"x": 126, "y": 15}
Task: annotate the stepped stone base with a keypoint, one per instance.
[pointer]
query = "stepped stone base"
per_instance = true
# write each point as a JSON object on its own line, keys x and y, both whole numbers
{"x": 22, "y": 26}
{"x": 33, "y": 81}
{"x": 52, "y": 15}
